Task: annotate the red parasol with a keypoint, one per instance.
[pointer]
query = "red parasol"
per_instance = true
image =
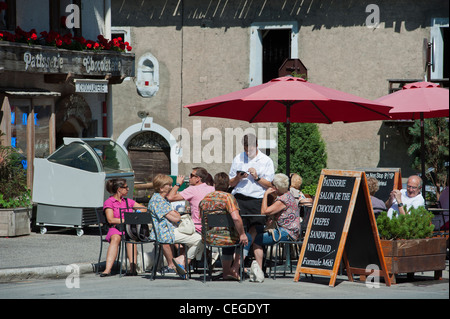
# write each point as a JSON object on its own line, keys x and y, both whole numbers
{"x": 290, "y": 99}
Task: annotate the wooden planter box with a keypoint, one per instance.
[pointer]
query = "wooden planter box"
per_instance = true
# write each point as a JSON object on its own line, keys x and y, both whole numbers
{"x": 15, "y": 222}
{"x": 414, "y": 255}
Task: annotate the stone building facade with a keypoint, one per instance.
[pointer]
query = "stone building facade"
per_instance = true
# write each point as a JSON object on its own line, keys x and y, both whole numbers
{"x": 191, "y": 50}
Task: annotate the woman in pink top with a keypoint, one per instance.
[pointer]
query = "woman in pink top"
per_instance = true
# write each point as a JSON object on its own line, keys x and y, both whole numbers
{"x": 118, "y": 189}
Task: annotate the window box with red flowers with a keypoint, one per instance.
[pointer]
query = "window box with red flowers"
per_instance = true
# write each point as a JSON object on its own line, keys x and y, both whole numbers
{"x": 66, "y": 41}
{"x": 53, "y": 53}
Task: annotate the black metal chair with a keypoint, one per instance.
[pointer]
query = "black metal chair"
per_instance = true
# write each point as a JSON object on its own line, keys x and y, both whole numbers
{"x": 212, "y": 219}
{"x": 102, "y": 224}
{"x": 284, "y": 246}
{"x": 305, "y": 212}
{"x": 138, "y": 218}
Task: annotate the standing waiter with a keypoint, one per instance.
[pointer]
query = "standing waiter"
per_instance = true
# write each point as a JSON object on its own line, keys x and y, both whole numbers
{"x": 251, "y": 173}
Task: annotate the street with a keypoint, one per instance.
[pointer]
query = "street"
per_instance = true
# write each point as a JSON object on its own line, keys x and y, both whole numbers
{"x": 90, "y": 286}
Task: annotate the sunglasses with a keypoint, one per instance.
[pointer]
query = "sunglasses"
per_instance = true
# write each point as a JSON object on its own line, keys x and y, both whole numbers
{"x": 193, "y": 175}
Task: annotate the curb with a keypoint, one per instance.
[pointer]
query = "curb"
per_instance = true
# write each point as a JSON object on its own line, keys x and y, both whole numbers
{"x": 55, "y": 272}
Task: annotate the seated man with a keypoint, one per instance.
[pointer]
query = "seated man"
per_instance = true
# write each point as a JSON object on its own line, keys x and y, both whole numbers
{"x": 409, "y": 197}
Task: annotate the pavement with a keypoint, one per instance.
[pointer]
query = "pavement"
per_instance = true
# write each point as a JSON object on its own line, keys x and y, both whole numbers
{"x": 41, "y": 257}
{"x": 48, "y": 255}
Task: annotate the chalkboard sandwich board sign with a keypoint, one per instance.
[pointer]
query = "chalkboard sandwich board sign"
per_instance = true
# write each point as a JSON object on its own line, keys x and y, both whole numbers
{"x": 342, "y": 226}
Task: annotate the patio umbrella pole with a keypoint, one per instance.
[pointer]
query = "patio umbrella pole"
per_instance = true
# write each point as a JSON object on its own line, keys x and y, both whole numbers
{"x": 288, "y": 137}
{"x": 422, "y": 153}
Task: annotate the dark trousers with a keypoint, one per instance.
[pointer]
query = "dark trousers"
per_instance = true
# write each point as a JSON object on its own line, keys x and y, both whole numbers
{"x": 249, "y": 206}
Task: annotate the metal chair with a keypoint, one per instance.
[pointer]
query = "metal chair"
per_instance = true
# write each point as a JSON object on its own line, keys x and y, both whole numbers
{"x": 137, "y": 218}
{"x": 278, "y": 248}
{"x": 218, "y": 218}
{"x": 102, "y": 222}
{"x": 305, "y": 212}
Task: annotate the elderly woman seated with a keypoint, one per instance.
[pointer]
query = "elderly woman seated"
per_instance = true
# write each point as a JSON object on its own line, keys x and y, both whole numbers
{"x": 295, "y": 184}
{"x": 377, "y": 204}
{"x": 284, "y": 212}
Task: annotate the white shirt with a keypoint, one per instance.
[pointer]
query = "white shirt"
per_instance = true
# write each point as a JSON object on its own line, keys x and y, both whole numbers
{"x": 263, "y": 165}
{"x": 407, "y": 201}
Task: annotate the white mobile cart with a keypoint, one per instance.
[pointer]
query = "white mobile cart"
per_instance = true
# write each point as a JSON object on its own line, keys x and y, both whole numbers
{"x": 69, "y": 185}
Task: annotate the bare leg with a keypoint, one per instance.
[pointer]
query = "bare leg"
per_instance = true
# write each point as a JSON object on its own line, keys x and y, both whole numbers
{"x": 167, "y": 252}
{"x": 229, "y": 267}
{"x": 258, "y": 252}
{"x": 112, "y": 252}
{"x": 132, "y": 256}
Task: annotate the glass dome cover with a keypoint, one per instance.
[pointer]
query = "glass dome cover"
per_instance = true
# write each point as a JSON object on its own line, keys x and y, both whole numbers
{"x": 93, "y": 155}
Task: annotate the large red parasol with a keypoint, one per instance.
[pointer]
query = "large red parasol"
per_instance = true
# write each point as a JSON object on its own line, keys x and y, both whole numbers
{"x": 290, "y": 99}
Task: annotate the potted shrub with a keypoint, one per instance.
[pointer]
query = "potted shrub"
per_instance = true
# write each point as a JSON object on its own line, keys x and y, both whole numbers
{"x": 408, "y": 245}
{"x": 15, "y": 202}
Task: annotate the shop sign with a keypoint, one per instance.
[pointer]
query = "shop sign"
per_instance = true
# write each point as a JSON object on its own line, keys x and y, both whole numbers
{"x": 41, "y": 59}
{"x": 91, "y": 86}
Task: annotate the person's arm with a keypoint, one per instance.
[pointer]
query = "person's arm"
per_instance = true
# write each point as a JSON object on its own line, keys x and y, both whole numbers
{"x": 235, "y": 180}
{"x": 109, "y": 213}
{"x": 261, "y": 181}
{"x": 396, "y": 196}
{"x": 173, "y": 195}
{"x": 173, "y": 216}
{"x": 142, "y": 208}
{"x": 390, "y": 200}
{"x": 239, "y": 227}
{"x": 276, "y": 207}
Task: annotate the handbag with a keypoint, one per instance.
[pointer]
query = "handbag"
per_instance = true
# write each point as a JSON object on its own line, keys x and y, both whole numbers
{"x": 256, "y": 273}
{"x": 270, "y": 228}
{"x": 186, "y": 225}
{"x": 138, "y": 232}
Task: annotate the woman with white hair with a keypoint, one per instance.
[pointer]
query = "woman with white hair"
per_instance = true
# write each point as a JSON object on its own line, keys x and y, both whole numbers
{"x": 284, "y": 211}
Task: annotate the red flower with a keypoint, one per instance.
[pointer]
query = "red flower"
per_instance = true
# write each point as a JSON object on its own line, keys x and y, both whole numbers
{"x": 67, "y": 41}
{"x": 80, "y": 40}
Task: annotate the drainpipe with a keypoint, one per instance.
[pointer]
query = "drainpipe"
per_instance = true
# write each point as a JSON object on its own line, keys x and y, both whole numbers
{"x": 104, "y": 119}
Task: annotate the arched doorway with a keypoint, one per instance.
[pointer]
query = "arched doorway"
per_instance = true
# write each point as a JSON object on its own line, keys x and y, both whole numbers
{"x": 147, "y": 125}
{"x": 149, "y": 153}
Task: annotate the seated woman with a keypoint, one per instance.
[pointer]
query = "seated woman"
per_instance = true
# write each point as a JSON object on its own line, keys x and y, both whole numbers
{"x": 285, "y": 213}
{"x": 166, "y": 223}
{"x": 221, "y": 200}
{"x": 118, "y": 189}
{"x": 295, "y": 184}
{"x": 377, "y": 204}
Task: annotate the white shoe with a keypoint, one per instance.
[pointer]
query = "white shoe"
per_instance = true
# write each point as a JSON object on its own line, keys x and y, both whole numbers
{"x": 214, "y": 258}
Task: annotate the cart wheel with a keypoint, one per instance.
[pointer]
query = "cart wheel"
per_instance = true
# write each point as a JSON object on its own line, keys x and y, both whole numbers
{"x": 80, "y": 232}
{"x": 43, "y": 230}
